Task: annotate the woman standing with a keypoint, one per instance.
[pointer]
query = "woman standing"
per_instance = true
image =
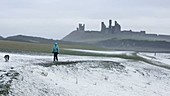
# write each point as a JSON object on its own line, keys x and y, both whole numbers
{"x": 55, "y": 51}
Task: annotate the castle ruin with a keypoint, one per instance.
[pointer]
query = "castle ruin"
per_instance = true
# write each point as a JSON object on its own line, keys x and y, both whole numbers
{"x": 110, "y": 29}
{"x": 116, "y": 29}
{"x": 110, "y": 32}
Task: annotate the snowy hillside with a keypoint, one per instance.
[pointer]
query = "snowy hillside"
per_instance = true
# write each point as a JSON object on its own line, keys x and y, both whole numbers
{"x": 37, "y": 75}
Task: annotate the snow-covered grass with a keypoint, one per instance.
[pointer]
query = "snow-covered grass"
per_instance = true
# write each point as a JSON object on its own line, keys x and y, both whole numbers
{"x": 102, "y": 52}
{"x": 26, "y": 75}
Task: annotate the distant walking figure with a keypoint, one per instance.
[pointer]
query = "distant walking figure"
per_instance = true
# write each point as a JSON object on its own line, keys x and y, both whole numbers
{"x": 6, "y": 58}
{"x": 55, "y": 51}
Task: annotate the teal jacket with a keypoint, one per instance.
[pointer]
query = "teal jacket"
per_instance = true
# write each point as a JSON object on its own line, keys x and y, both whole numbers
{"x": 55, "y": 48}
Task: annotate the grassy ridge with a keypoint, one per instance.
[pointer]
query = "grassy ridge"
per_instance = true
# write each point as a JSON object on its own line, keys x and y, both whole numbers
{"x": 15, "y": 46}
{"x": 24, "y": 46}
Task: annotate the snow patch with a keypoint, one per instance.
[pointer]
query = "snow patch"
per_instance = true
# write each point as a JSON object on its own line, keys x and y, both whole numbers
{"x": 87, "y": 76}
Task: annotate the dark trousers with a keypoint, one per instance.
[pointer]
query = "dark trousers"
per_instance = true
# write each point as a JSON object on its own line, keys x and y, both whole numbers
{"x": 56, "y": 56}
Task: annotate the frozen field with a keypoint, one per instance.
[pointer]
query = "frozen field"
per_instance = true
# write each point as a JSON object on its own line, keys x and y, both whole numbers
{"x": 37, "y": 75}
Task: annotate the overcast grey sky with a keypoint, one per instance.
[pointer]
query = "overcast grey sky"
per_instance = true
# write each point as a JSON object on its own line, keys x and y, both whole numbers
{"x": 57, "y": 18}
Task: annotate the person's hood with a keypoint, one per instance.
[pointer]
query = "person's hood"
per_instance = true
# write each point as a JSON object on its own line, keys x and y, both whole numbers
{"x": 55, "y": 43}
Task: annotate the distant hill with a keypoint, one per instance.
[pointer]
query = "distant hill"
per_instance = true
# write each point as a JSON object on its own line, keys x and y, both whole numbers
{"x": 86, "y": 37}
{"x": 31, "y": 39}
{"x": 21, "y": 43}
{"x": 113, "y": 37}
{"x": 117, "y": 42}
{"x": 136, "y": 45}
{"x": 1, "y": 38}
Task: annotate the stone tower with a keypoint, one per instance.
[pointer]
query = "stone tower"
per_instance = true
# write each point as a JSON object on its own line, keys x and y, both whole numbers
{"x": 117, "y": 27}
{"x": 81, "y": 27}
{"x": 110, "y": 24}
{"x": 110, "y": 29}
{"x": 103, "y": 27}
